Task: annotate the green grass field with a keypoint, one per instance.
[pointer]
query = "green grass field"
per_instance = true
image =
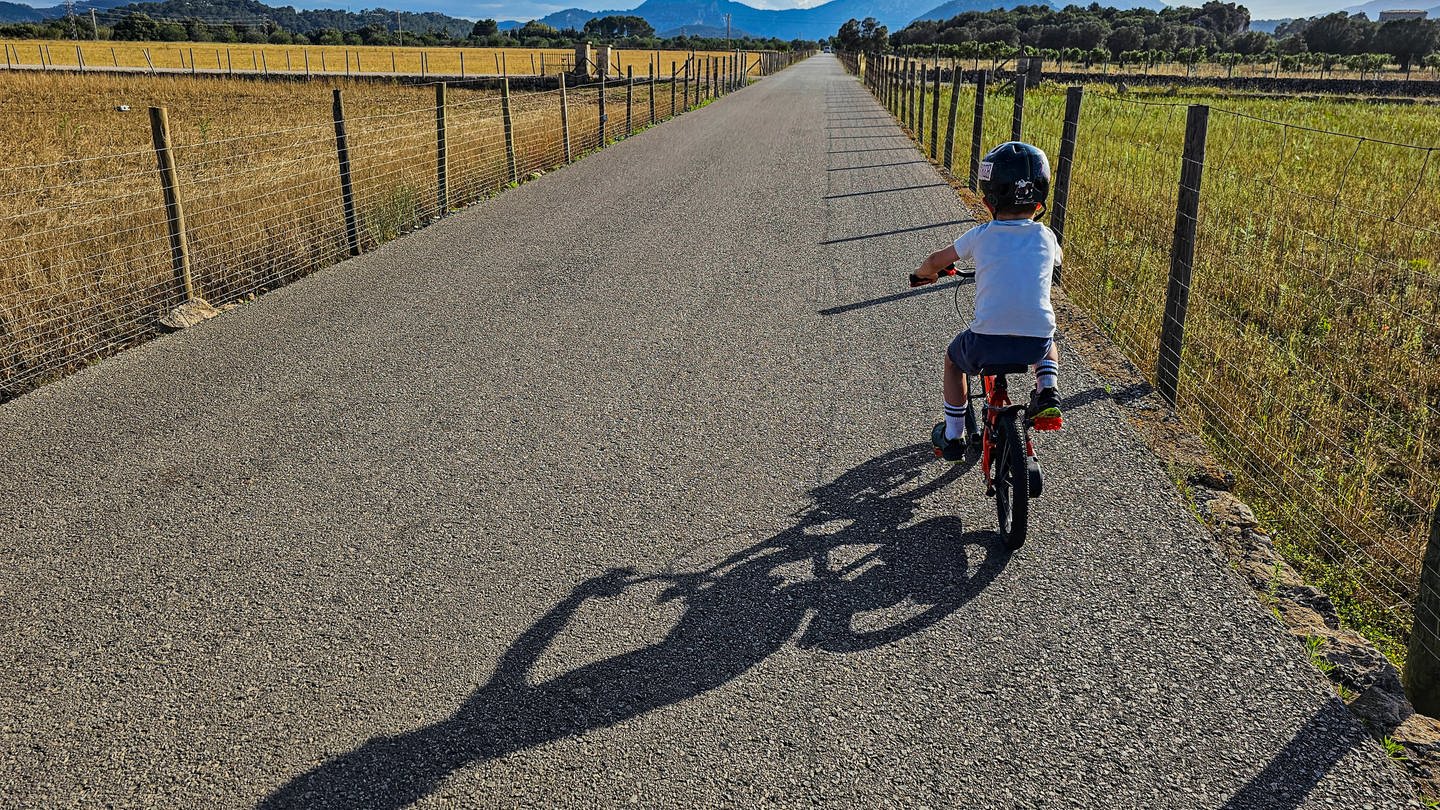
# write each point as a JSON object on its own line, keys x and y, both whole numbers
{"x": 1314, "y": 309}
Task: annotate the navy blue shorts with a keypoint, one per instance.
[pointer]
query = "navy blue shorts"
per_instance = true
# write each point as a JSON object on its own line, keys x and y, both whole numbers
{"x": 969, "y": 351}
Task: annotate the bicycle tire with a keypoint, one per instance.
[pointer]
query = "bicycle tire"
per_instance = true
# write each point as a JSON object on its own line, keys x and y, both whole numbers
{"x": 1012, "y": 483}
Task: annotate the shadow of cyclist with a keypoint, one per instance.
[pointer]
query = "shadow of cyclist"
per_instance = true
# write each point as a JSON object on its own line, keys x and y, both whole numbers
{"x": 852, "y": 554}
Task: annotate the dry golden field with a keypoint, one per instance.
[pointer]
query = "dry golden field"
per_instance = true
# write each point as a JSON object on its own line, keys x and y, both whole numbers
{"x": 338, "y": 59}
{"x": 85, "y": 261}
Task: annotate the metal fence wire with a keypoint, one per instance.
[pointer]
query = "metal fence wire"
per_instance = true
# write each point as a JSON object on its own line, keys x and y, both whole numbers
{"x": 1313, "y": 318}
{"x": 88, "y": 252}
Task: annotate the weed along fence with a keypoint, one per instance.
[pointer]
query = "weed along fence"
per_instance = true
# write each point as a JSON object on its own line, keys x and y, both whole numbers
{"x": 1276, "y": 277}
{"x": 256, "y": 190}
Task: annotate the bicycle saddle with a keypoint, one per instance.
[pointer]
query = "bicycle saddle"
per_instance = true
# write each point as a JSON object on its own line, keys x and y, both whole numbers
{"x": 1007, "y": 368}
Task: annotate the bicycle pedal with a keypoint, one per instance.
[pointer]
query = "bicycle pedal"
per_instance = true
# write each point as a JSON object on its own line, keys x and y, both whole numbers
{"x": 1049, "y": 422}
{"x": 939, "y": 453}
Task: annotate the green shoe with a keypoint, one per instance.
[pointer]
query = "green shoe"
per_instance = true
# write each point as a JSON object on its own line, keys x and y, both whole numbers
{"x": 1044, "y": 410}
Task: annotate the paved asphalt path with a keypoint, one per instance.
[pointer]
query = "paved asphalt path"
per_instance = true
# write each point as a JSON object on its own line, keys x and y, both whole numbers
{"x": 615, "y": 491}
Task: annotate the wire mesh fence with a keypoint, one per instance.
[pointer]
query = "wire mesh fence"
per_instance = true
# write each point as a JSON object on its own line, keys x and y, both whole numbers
{"x": 343, "y": 60}
{"x": 88, "y": 243}
{"x": 1312, "y": 322}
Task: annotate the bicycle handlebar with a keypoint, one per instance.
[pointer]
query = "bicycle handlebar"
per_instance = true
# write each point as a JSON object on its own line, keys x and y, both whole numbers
{"x": 950, "y": 270}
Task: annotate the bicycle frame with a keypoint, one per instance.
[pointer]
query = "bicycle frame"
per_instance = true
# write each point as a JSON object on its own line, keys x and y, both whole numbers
{"x": 997, "y": 402}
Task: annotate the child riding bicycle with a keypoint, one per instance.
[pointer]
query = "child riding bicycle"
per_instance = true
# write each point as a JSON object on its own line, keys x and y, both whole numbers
{"x": 1014, "y": 256}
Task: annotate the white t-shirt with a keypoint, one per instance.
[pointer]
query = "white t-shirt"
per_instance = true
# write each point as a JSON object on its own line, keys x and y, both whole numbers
{"x": 1014, "y": 260}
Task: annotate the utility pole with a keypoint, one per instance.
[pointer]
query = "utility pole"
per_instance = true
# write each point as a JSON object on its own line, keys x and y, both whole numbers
{"x": 727, "y": 32}
{"x": 94, "y": 26}
{"x": 70, "y": 15}
{"x": 399, "y": 32}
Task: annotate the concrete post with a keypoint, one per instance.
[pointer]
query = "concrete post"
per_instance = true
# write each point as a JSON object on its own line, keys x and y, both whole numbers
{"x": 583, "y": 57}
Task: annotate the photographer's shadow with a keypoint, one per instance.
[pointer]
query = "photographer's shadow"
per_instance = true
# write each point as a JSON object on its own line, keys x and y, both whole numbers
{"x": 853, "y": 564}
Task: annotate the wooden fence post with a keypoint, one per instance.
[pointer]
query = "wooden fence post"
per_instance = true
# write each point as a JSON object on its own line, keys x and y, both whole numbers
{"x": 672, "y": 90}
{"x": 902, "y": 69}
{"x": 954, "y": 114}
{"x": 978, "y": 132}
{"x": 686, "y": 95}
{"x": 1017, "y": 120}
{"x": 347, "y": 188}
{"x": 920, "y": 106}
{"x": 509, "y": 131}
{"x": 653, "y": 71}
{"x": 603, "y": 116}
{"x": 1063, "y": 164}
{"x": 1182, "y": 253}
{"x": 462, "y": 64}
{"x": 442, "y": 164}
{"x": 887, "y": 83}
{"x": 629, "y": 98}
{"x": 902, "y": 92}
{"x": 174, "y": 211}
{"x": 1422, "y": 663}
{"x": 565, "y": 118}
{"x": 910, "y": 103}
{"x": 148, "y": 62}
{"x": 935, "y": 115}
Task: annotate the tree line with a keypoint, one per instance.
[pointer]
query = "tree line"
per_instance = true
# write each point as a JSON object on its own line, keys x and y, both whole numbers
{"x": 247, "y": 21}
{"x": 1216, "y": 31}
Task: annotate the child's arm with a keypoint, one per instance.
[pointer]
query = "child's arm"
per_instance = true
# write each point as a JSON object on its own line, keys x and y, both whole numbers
{"x": 939, "y": 260}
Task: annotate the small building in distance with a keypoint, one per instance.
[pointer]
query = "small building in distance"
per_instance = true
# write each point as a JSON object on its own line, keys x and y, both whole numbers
{"x": 1402, "y": 14}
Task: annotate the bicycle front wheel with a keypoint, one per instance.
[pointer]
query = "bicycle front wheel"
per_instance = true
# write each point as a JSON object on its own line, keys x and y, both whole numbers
{"x": 1012, "y": 482}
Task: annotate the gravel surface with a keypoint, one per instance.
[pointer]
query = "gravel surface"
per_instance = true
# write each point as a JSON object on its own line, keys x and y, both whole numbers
{"x": 629, "y": 504}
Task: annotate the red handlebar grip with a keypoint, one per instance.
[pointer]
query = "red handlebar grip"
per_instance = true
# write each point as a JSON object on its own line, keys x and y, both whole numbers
{"x": 916, "y": 281}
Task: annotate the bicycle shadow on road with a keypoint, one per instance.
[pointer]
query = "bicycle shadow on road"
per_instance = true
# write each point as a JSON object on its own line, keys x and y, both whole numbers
{"x": 852, "y": 553}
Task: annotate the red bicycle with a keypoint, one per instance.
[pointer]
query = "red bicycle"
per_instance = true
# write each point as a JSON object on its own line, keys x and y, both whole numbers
{"x": 1007, "y": 454}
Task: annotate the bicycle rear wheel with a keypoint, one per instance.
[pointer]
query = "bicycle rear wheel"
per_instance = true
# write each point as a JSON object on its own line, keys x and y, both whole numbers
{"x": 1012, "y": 482}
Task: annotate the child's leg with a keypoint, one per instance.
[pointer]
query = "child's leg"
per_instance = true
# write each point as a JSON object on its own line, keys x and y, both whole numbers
{"x": 957, "y": 400}
{"x": 1047, "y": 371}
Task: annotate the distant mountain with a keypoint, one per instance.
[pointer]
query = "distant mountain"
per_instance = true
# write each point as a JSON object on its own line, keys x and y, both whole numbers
{"x": 575, "y": 18}
{"x": 1268, "y": 26}
{"x": 805, "y": 23}
{"x": 16, "y": 12}
{"x": 1373, "y": 8}
{"x": 711, "y": 31}
{"x": 509, "y": 25}
{"x": 953, "y": 7}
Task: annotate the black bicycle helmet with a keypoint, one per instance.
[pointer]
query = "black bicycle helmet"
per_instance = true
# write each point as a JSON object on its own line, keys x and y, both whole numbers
{"x": 1015, "y": 173}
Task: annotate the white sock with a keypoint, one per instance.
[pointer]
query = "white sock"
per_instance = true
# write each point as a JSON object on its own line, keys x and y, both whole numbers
{"x": 955, "y": 420}
{"x": 1047, "y": 374}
